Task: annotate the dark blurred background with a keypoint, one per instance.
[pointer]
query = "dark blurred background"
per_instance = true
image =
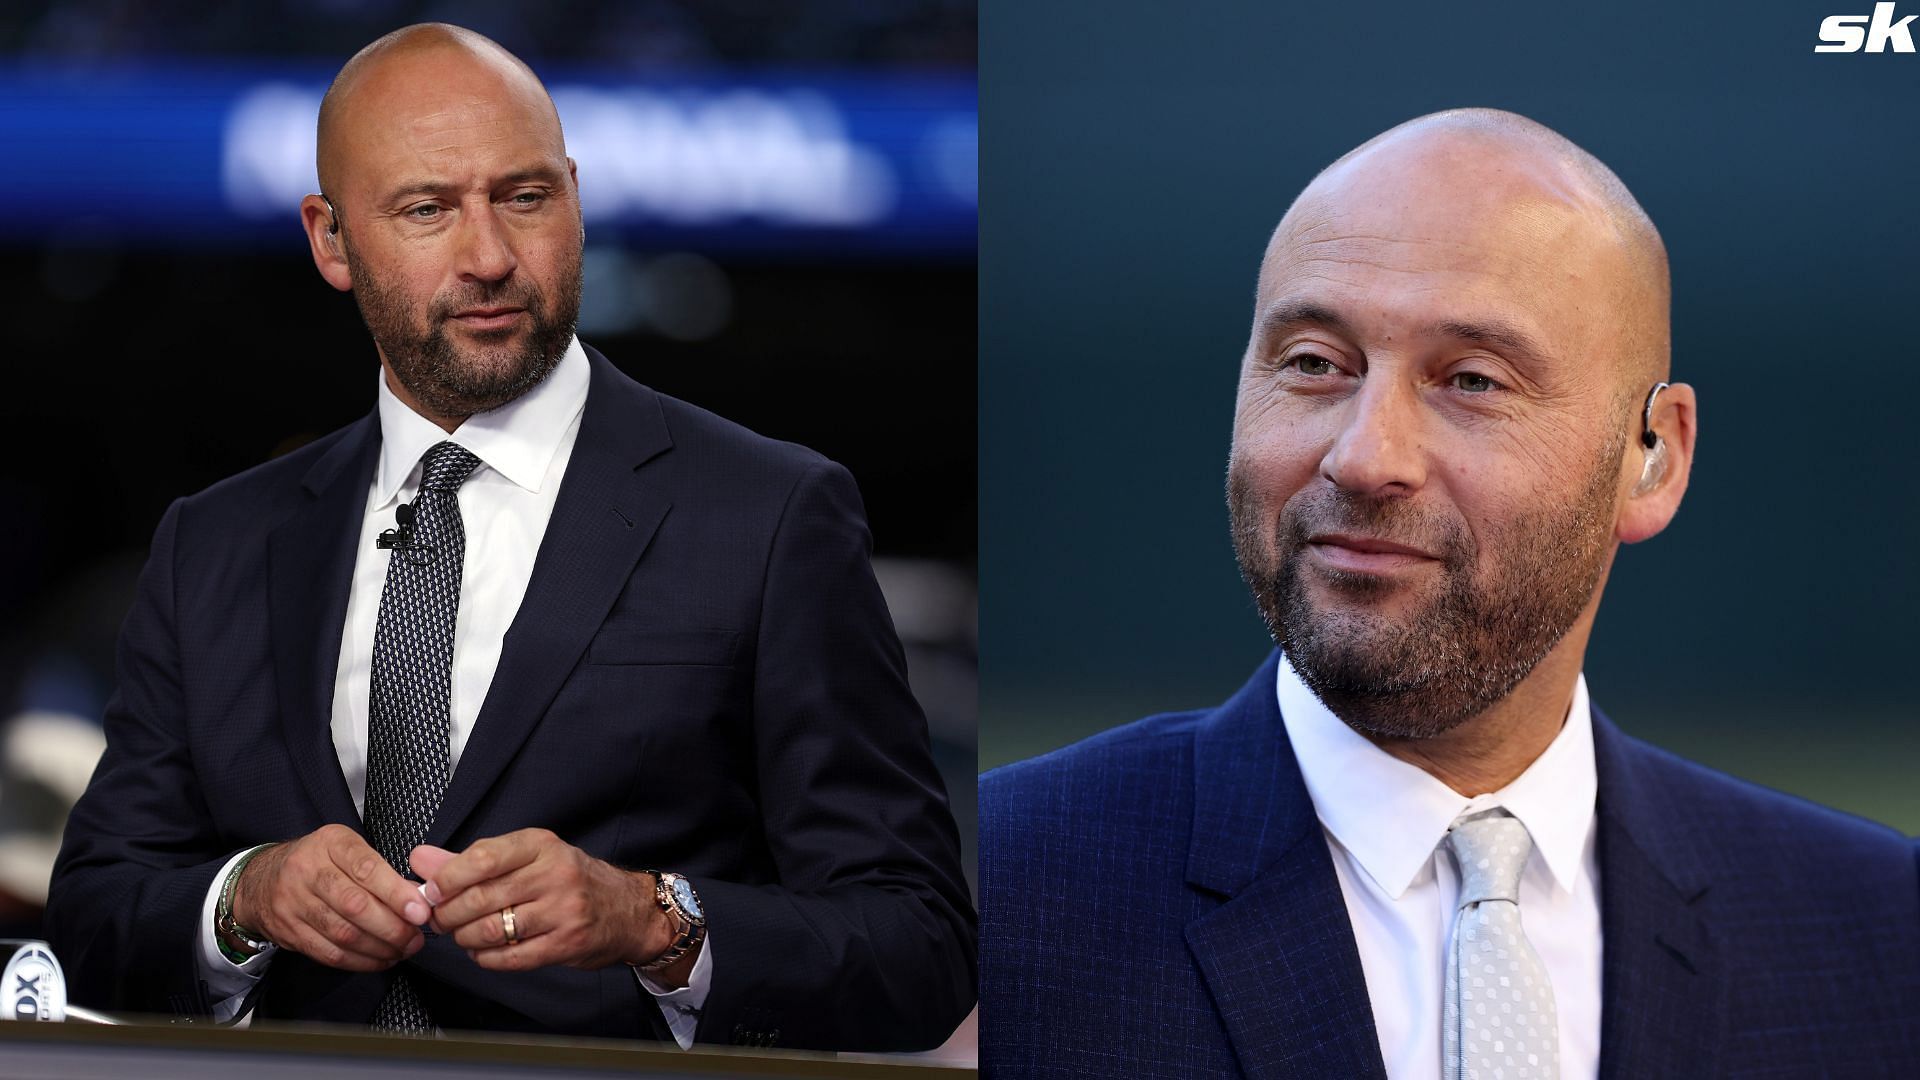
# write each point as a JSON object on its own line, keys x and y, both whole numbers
{"x": 780, "y": 205}
{"x": 1137, "y": 156}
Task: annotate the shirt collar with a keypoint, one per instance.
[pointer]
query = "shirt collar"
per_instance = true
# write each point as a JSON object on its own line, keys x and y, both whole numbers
{"x": 1391, "y": 815}
{"x": 517, "y": 440}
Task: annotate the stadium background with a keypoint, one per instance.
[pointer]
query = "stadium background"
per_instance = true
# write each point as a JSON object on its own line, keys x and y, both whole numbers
{"x": 1136, "y": 159}
{"x": 780, "y": 226}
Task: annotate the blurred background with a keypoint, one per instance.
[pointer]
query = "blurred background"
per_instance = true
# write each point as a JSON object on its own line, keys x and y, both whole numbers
{"x": 780, "y": 207}
{"x": 1137, "y": 156}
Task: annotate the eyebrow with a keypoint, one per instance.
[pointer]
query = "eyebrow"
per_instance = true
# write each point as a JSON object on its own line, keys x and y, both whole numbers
{"x": 1494, "y": 333}
{"x": 406, "y": 188}
{"x": 1288, "y": 315}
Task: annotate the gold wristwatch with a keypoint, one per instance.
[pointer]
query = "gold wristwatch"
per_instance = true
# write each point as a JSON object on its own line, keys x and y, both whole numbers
{"x": 676, "y": 897}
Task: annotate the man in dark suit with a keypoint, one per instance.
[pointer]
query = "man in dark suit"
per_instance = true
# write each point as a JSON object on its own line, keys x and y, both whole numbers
{"x": 1410, "y": 846}
{"x": 407, "y": 717}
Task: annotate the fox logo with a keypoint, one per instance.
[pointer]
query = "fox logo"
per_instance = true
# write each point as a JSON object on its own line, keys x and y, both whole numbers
{"x": 1871, "y": 33}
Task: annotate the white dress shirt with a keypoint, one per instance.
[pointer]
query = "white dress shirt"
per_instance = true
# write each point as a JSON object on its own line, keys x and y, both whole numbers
{"x": 1384, "y": 820}
{"x": 524, "y": 447}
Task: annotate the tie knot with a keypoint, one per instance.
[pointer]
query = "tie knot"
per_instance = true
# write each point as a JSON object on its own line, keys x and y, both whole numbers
{"x": 446, "y": 466}
{"x": 1491, "y": 849}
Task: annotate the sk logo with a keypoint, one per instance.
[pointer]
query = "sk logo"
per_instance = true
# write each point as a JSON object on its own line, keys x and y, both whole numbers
{"x": 1853, "y": 33}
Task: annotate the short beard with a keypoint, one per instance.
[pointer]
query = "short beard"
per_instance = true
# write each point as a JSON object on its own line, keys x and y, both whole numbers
{"x": 1465, "y": 648}
{"x": 444, "y": 381}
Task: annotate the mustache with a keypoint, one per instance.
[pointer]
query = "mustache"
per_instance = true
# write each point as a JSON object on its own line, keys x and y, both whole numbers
{"x": 1317, "y": 512}
{"x": 519, "y": 293}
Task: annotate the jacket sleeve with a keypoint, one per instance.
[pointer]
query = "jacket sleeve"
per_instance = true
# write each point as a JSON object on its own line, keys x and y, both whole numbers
{"x": 867, "y": 942}
{"x": 140, "y": 850}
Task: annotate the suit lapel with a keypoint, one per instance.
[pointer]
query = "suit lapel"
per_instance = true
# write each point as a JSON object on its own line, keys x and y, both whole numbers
{"x": 602, "y": 522}
{"x": 310, "y": 564}
{"x": 1663, "y": 996}
{"x": 1278, "y": 955}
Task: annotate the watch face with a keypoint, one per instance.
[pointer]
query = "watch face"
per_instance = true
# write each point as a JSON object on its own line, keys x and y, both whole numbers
{"x": 683, "y": 894}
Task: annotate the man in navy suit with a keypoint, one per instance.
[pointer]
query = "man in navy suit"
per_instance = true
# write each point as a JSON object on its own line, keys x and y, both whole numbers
{"x": 1410, "y": 846}
{"x": 534, "y": 700}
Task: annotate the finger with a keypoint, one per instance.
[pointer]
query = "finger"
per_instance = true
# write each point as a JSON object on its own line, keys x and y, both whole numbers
{"x": 371, "y": 928}
{"x": 543, "y": 951}
{"x": 324, "y": 935}
{"x": 485, "y": 860}
{"x": 427, "y": 861}
{"x": 485, "y": 901}
{"x": 364, "y": 867}
{"x": 530, "y": 920}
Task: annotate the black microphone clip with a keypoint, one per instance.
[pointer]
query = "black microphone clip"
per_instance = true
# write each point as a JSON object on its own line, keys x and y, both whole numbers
{"x": 402, "y": 537}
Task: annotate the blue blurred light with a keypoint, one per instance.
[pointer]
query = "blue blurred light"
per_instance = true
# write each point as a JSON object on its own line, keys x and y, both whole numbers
{"x": 814, "y": 164}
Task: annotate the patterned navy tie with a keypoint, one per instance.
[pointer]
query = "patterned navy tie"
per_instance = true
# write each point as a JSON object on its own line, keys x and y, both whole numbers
{"x": 407, "y": 761}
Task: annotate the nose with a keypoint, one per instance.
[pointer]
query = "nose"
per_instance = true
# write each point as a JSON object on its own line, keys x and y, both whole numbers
{"x": 485, "y": 252}
{"x": 1378, "y": 448}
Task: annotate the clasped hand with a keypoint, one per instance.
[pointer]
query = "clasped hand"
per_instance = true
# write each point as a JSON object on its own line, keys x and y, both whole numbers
{"x": 331, "y": 897}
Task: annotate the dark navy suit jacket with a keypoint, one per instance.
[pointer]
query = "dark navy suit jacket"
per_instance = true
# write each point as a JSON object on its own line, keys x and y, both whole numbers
{"x": 702, "y": 677}
{"x": 1159, "y": 901}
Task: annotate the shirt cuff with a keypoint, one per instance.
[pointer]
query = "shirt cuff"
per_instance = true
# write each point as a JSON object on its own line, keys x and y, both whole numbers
{"x": 227, "y": 982}
{"x": 681, "y": 1005}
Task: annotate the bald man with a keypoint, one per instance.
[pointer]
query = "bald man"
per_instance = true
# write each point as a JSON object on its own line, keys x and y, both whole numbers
{"x": 533, "y": 701}
{"x": 1411, "y": 846}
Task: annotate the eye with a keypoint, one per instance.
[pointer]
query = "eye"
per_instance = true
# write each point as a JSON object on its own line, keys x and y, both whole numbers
{"x": 529, "y": 199}
{"x": 1309, "y": 364}
{"x": 424, "y": 212}
{"x": 1473, "y": 382}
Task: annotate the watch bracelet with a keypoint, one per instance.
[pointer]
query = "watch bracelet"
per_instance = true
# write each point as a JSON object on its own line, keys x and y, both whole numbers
{"x": 223, "y": 921}
{"x": 682, "y": 944}
{"x": 687, "y": 935}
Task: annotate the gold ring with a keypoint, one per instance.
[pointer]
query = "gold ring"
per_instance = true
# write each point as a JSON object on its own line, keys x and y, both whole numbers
{"x": 506, "y": 925}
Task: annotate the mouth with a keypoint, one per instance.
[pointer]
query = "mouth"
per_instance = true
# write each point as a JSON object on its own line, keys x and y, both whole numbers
{"x": 1355, "y": 553}
{"x": 489, "y": 318}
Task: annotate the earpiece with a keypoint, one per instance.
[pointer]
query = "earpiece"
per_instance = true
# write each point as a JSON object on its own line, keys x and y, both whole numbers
{"x": 1656, "y": 464}
{"x": 1654, "y": 469}
{"x": 333, "y": 216}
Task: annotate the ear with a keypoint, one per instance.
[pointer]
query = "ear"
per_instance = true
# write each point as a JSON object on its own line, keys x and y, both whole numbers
{"x": 573, "y": 176}
{"x": 1649, "y": 500}
{"x": 323, "y": 236}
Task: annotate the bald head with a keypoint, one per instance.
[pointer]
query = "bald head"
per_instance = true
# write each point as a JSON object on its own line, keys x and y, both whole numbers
{"x": 1473, "y": 177}
{"x": 425, "y": 52}
{"x": 1495, "y": 131}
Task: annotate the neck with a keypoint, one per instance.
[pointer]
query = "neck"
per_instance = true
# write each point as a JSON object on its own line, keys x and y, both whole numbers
{"x": 446, "y": 423}
{"x": 1491, "y": 750}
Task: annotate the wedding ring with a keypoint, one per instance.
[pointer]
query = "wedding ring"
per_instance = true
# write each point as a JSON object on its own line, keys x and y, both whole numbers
{"x": 507, "y": 927}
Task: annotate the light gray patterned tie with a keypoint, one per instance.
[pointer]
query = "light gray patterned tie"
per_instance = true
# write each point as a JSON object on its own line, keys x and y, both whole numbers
{"x": 1498, "y": 1021}
{"x": 407, "y": 722}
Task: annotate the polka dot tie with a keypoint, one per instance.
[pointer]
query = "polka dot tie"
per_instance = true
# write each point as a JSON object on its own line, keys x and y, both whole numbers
{"x": 1498, "y": 1021}
{"x": 407, "y": 762}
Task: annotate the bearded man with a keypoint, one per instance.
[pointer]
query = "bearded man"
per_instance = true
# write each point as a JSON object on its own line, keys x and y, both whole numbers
{"x": 1411, "y": 846}
{"x": 533, "y": 701}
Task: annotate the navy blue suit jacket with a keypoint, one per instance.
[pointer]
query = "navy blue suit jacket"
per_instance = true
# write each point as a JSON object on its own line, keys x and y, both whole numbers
{"x": 1159, "y": 901}
{"x": 702, "y": 677}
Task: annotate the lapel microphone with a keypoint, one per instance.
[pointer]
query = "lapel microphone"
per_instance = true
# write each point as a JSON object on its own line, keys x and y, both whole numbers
{"x": 402, "y": 537}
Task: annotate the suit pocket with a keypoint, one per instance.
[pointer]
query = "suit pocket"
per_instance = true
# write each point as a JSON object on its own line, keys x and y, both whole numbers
{"x": 665, "y": 648}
